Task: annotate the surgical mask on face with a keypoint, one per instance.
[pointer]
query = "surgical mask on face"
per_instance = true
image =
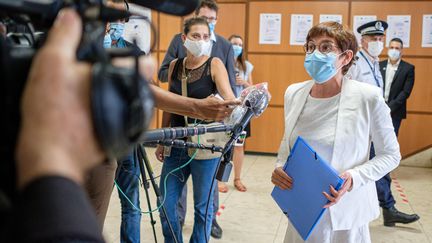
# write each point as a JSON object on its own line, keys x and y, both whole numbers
{"x": 321, "y": 67}
{"x": 107, "y": 41}
{"x": 212, "y": 27}
{"x": 116, "y": 30}
{"x": 237, "y": 50}
{"x": 197, "y": 48}
{"x": 375, "y": 48}
{"x": 393, "y": 54}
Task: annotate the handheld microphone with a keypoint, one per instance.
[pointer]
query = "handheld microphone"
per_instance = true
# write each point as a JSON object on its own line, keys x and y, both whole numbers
{"x": 225, "y": 166}
{"x": 255, "y": 102}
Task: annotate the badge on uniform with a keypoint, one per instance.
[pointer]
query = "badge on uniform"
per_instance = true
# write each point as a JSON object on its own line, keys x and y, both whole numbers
{"x": 379, "y": 26}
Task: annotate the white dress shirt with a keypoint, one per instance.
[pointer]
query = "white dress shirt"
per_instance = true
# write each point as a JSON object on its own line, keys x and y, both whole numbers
{"x": 390, "y": 72}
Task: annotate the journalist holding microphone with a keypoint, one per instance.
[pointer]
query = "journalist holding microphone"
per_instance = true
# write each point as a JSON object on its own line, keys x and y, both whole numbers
{"x": 339, "y": 118}
{"x": 201, "y": 76}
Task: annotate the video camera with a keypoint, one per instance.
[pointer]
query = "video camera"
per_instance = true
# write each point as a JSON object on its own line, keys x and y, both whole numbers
{"x": 121, "y": 100}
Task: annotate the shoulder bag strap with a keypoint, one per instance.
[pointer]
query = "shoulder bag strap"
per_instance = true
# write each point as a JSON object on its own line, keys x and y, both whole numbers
{"x": 184, "y": 79}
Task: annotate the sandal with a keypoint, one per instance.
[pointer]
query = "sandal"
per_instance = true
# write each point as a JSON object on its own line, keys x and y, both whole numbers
{"x": 239, "y": 185}
{"x": 222, "y": 187}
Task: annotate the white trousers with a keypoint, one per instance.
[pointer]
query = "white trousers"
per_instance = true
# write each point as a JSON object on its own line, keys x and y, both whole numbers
{"x": 323, "y": 233}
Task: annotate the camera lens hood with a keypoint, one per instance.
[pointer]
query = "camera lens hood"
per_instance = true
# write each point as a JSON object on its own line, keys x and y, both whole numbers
{"x": 122, "y": 108}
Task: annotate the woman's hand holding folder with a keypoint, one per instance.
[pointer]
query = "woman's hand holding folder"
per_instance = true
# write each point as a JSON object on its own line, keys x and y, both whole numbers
{"x": 281, "y": 179}
{"x": 337, "y": 195}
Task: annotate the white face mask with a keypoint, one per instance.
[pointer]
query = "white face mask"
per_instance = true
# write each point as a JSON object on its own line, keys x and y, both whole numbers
{"x": 197, "y": 48}
{"x": 393, "y": 54}
{"x": 375, "y": 48}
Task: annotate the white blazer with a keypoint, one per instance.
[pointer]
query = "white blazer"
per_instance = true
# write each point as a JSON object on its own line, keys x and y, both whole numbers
{"x": 363, "y": 117}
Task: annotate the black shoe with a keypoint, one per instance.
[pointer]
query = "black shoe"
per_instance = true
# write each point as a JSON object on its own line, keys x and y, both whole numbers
{"x": 216, "y": 230}
{"x": 393, "y": 216}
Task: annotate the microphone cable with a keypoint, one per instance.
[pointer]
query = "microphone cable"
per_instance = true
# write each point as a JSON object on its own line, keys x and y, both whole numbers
{"x": 137, "y": 208}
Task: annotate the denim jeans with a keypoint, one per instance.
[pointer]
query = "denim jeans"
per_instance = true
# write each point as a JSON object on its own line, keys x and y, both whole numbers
{"x": 182, "y": 204}
{"x": 127, "y": 178}
{"x": 202, "y": 173}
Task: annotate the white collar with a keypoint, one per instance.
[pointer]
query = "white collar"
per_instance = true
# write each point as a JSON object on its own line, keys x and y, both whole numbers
{"x": 394, "y": 65}
{"x": 213, "y": 37}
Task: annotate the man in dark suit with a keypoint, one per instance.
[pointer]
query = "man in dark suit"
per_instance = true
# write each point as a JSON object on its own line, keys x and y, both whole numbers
{"x": 219, "y": 47}
{"x": 398, "y": 79}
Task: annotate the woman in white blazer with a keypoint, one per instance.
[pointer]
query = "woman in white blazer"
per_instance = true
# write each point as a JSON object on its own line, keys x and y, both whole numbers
{"x": 339, "y": 118}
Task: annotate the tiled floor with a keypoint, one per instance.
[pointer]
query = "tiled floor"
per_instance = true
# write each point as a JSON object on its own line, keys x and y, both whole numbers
{"x": 253, "y": 216}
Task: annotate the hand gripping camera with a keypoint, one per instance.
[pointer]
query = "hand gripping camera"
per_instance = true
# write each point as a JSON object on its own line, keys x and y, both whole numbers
{"x": 121, "y": 100}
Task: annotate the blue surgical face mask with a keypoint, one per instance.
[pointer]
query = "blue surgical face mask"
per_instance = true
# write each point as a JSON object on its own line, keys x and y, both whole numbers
{"x": 321, "y": 67}
{"x": 212, "y": 27}
{"x": 393, "y": 54}
{"x": 237, "y": 50}
{"x": 116, "y": 30}
{"x": 107, "y": 41}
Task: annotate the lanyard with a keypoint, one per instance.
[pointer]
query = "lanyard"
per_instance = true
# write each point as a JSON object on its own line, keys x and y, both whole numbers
{"x": 372, "y": 69}
{"x": 121, "y": 43}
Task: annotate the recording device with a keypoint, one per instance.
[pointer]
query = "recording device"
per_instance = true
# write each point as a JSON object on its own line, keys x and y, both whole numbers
{"x": 121, "y": 101}
{"x": 254, "y": 99}
{"x": 241, "y": 140}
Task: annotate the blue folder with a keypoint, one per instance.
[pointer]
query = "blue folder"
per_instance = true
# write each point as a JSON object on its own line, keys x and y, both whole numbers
{"x": 303, "y": 203}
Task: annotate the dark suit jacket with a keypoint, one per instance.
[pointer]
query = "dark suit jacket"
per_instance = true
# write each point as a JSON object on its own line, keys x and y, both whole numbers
{"x": 400, "y": 89}
{"x": 221, "y": 49}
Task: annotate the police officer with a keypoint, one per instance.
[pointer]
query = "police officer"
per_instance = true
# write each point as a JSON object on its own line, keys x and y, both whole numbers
{"x": 367, "y": 70}
{"x": 367, "y": 67}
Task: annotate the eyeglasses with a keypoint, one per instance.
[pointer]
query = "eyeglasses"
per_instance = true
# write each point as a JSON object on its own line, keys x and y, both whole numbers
{"x": 209, "y": 19}
{"x": 324, "y": 47}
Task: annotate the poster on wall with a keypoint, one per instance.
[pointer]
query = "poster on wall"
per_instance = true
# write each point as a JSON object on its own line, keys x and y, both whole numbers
{"x": 359, "y": 20}
{"x": 330, "y": 17}
{"x": 270, "y": 29}
{"x": 399, "y": 26}
{"x": 138, "y": 28}
{"x": 427, "y": 31}
{"x": 300, "y": 26}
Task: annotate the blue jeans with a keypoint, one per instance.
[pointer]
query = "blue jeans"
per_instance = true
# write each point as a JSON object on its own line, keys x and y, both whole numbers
{"x": 127, "y": 178}
{"x": 182, "y": 204}
{"x": 202, "y": 173}
{"x": 385, "y": 196}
